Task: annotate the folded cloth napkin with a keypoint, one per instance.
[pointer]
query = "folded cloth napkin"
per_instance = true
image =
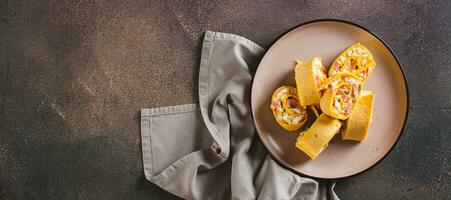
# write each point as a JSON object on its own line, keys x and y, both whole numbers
{"x": 210, "y": 150}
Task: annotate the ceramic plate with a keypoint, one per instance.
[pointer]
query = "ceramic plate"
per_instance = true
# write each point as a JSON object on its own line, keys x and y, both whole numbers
{"x": 327, "y": 39}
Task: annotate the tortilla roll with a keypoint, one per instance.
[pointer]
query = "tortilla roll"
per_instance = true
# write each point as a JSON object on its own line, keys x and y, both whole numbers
{"x": 309, "y": 75}
{"x": 287, "y": 110}
{"x": 340, "y": 96}
{"x": 356, "y": 127}
{"x": 317, "y": 137}
{"x": 356, "y": 59}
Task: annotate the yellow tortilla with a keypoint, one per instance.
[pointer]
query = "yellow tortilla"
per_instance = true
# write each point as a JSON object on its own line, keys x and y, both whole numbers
{"x": 309, "y": 75}
{"x": 356, "y": 59}
{"x": 360, "y": 118}
{"x": 290, "y": 116}
{"x": 335, "y": 104}
{"x": 315, "y": 139}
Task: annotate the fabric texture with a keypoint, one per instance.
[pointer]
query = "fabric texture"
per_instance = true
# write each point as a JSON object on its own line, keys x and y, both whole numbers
{"x": 210, "y": 150}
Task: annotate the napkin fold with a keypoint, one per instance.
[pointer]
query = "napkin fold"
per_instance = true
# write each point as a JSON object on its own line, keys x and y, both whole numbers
{"x": 210, "y": 150}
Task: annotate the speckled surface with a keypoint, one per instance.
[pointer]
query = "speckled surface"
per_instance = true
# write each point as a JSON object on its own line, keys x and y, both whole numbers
{"x": 74, "y": 75}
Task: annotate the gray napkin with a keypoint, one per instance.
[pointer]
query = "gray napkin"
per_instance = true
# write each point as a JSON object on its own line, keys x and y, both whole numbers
{"x": 210, "y": 150}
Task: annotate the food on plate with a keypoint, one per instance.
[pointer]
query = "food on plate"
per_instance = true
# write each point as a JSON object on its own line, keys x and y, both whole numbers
{"x": 317, "y": 137}
{"x": 287, "y": 110}
{"x": 309, "y": 75}
{"x": 340, "y": 95}
{"x": 335, "y": 98}
{"x": 356, "y": 127}
{"x": 356, "y": 59}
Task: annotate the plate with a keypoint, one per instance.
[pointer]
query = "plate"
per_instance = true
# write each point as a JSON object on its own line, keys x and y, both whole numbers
{"x": 327, "y": 39}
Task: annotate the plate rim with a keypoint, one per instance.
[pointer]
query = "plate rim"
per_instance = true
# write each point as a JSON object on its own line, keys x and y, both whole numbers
{"x": 283, "y": 164}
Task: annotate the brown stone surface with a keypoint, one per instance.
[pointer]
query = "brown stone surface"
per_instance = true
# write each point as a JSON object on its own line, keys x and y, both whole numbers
{"x": 74, "y": 75}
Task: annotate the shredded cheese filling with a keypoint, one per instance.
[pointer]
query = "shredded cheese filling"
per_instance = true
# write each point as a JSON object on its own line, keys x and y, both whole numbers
{"x": 287, "y": 107}
{"x": 356, "y": 60}
{"x": 346, "y": 95}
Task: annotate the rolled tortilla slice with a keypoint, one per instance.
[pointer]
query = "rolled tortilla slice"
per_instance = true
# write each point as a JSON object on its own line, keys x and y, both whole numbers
{"x": 356, "y": 59}
{"x": 317, "y": 137}
{"x": 309, "y": 75}
{"x": 287, "y": 110}
{"x": 356, "y": 127}
{"x": 341, "y": 92}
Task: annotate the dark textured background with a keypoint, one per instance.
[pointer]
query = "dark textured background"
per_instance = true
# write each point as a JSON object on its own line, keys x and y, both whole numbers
{"x": 74, "y": 75}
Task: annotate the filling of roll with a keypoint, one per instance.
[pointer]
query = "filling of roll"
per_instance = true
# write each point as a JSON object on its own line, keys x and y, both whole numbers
{"x": 286, "y": 106}
{"x": 364, "y": 73}
{"x": 346, "y": 95}
{"x": 319, "y": 72}
{"x": 356, "y": 59}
